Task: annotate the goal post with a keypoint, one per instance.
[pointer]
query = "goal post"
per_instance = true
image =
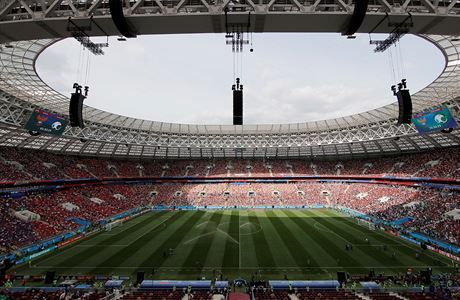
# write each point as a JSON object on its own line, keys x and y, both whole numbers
{"x": 109, "y": 226}
{"x": 363, "y": 222}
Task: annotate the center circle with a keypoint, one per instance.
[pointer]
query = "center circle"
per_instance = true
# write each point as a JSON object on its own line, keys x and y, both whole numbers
{"x": 246, "y": 228}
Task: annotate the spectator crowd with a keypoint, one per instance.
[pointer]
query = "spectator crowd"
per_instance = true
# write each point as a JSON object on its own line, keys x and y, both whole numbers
{"x": 20, "y": 164}
{"x": 37, "y": 216}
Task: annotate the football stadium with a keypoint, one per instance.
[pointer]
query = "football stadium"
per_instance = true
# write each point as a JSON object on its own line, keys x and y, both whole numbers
{"x": 97, "y": 205}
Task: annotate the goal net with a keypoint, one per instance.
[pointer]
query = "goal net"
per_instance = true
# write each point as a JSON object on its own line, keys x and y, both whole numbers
{"x": 109, "y": 226}
{"x": 366, "y": 223}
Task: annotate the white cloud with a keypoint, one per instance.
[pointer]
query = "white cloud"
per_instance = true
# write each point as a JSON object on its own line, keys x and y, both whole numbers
{"x": 289, "y": 77}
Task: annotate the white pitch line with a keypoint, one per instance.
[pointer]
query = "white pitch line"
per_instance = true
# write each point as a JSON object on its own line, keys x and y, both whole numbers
{"x": 197, "y": 237}
{"x": 228, "y": 236}
{"x": 218, "y": 230}
{"x": 104, "y": 245}
{"x": 243, "y": 268}
{"x": 51, "y": 257}
{"x": 125, "y": 226}
{"x": 148, "y": 231}
{"x": 400, "y": 241}
{"x": 239, "y": 246}
{"x": 202, "y": 223}
{"x": 251, "y": 233}
{"x": 397, "y": 239}
{"x": 201, "y": 235}
{"x": 374, "y": 245}
{"x": 54, "y": 255}
{"x": 325, "y": 229}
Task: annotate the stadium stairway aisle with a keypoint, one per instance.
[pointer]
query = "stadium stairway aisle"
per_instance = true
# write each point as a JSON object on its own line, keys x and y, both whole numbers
{"x": 398, "y": 296}
{"x": 386, "y": 296}
{"x": 238, "y": 296}
{"x": 362, "y": 296}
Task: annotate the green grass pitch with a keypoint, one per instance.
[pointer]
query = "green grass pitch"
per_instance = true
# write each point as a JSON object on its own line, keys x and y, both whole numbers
{"x": 303, "y": 244}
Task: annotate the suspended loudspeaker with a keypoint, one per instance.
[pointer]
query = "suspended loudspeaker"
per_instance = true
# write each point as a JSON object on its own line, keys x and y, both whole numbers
{"x": 123, "y": 25}
{"x": 357, "y": 17}
{"x": 76, "y": 110}
{"x": 405, "y": 107}
{"x": 237, "y": 107}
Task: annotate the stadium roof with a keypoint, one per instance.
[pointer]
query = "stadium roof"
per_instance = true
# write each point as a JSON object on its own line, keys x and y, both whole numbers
{"x": 372, "y": 132}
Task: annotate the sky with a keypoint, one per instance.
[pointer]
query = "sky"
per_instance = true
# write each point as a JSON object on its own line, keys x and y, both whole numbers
{"x": 288, "y": 78}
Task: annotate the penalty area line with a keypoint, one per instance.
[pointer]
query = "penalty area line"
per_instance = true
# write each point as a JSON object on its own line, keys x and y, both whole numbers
{"x": 230, "y": 268}
{"x": 105, "y": 245}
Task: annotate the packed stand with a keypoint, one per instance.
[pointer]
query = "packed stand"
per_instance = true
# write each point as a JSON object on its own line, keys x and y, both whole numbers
{"x": 58, "y": 295}
{"x": 39, "y": 216}
{"x": 27, "y": 164}
{"x": 430, "y": 214}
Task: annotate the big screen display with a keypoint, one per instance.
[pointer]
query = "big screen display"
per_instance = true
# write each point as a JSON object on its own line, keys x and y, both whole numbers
{"x": 435, "y": 120}
{"x": 45, "y": 122}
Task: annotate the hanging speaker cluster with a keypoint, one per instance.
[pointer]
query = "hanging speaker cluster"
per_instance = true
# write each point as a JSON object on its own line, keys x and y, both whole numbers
{"x": 237, "y": 107}
{"x": 404, "y": 102}
{"x": 237, "y": 103}
{"x": 405, "y": 107}
{"x": 124, "y": 26}
{"x": 76, "y": 106}
{"x": 357, "y": 18}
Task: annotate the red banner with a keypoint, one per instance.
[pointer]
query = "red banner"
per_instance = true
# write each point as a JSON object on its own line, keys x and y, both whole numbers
{"x": 71, "y": 240}
{"x": 447, "y": 254}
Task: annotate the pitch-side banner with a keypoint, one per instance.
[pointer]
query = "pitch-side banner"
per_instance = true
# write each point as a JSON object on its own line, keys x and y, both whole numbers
{"x": 435, "y": 120}
{"x": 44, "y": 122}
